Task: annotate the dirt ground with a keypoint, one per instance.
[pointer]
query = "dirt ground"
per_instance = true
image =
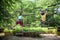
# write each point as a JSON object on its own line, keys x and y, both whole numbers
{"x": 44, "y": 37}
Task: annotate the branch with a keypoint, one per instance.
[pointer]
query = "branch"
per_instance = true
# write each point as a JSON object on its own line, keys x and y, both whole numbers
{"x": 27, "y": 14}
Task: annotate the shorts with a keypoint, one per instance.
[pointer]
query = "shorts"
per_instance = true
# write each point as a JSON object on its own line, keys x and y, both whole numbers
{"x": 19, "y": 22}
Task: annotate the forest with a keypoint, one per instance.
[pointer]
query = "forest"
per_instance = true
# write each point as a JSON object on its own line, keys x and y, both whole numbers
{"x": 29, "y": 17}
{"x": 9, "y": 14}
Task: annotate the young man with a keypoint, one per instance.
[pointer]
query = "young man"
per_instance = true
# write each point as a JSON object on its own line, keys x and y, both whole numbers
{"x": 43, "y": 17}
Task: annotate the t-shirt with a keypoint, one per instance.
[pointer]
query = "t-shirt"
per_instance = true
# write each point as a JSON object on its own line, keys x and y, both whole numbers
{"x": 20, "y": 17}
{"x": 43, "y": 17}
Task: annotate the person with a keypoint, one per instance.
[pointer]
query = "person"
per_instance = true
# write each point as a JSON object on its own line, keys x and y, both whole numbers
{"x": 19, "y": 20}
{"x": 43, "y": 17}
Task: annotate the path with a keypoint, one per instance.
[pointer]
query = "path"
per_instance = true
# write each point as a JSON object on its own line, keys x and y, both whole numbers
{"x": 46, "y": 37}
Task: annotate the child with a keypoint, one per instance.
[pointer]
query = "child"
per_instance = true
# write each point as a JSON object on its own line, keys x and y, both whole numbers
{"x": 19, "y": 20}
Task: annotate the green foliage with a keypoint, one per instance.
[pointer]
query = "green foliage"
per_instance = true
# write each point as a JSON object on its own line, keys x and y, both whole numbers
{"x": 8, "y": 8}
{"x": 29, "y": 29}
{"x": 4, "y": 14}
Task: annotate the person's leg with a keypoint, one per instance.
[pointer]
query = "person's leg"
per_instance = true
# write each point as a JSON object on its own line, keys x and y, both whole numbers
{"x": 21, "y": 23}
